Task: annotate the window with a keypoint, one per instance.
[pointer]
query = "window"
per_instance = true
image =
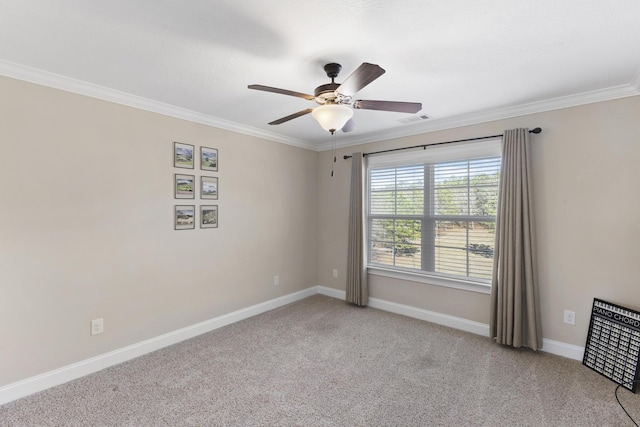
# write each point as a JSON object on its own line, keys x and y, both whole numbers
{"x": 436, "y": 217}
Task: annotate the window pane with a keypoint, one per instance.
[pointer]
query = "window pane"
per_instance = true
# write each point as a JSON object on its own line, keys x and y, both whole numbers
{"x": 485, "y": 176}
{"x": 479, "y": 267}
{"x": 453, "y": 174}
{"x": 381, "y": 241}
{"x": 408, "y": 256}
{"x": 466, "y": 188}
{"x": 396, "y": 242}
{"x": 456, "y": 193}
{"x": 465, "y": 248}
{"x": 450, "y": 261}
{"x": 397, "y": 191}
{"x": 489, "y": 168}
{"x": 451, "y": 201}
{"x": 451, "y": 247}
{"x": 451, "y": 188}
{"x": 408, "y": 232}
{"x": 408, "y": 236}
{"x": 410, "y": 202}
{"x": 383, "y": 202}
{"x": 381, "y": 254}
{"x": 481, "y": 244}
{"x": 484, "y": 201}
{"x": 382, "y": 179}
{"x": 410, "y": 177}
{"x": 382, "y": 230}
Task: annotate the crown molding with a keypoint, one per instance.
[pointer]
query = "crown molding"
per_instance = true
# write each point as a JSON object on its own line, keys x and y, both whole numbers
{"x": 57, "y": 81}
{"x": 34, "y": 75}
{"x": 490, "y": 115}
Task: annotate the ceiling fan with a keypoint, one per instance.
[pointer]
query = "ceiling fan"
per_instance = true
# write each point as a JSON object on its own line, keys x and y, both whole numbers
{"x": 335, "y": 100}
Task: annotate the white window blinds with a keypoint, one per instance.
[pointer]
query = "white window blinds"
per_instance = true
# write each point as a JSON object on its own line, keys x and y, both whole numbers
{"x": 435, "y": 213}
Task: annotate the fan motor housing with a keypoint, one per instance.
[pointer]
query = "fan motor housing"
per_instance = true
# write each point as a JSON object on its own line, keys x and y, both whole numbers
{"x": 326, "y": 92}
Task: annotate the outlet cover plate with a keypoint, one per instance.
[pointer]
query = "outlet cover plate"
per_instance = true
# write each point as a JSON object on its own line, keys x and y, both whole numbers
{"x": 97, "y": 326}
{"x": 570, "y": 317}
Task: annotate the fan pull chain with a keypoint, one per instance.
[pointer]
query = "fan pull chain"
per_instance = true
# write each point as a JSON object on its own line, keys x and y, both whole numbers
{"x": 333, "y": 152}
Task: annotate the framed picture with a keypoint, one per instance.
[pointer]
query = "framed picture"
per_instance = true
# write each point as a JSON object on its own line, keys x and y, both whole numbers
{"x": 184, "y": 218}
{"x": 183, "y": 155}
{"x": 209, "y": 159}
{"x": 209, "y": 216}
{"x": 184, "y": 186}
{"x": 209, "y": 187}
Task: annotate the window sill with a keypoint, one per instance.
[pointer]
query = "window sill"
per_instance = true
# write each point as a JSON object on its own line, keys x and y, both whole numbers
{"x": 464, "y": 285}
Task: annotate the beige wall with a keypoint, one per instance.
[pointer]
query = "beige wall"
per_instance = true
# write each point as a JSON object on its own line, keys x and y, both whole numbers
{"x": 86, "y": 227}
{"x": 87, "y": 209}
{"x": 587, "y": 190}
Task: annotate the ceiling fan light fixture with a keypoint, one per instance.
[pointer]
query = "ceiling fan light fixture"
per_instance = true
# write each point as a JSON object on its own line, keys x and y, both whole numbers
{"x": 332, "y": 117}
{"x": 336, "y": 99}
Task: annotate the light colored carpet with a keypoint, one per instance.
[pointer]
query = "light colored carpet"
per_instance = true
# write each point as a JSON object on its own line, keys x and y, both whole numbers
{"x": 322, "y": 362}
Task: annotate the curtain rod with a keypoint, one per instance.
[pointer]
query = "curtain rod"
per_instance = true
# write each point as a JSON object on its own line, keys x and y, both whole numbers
{"x": 424, "y": 146}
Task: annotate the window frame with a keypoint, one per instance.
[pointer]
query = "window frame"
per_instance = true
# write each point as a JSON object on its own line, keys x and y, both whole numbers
{"x": 432, "y": 156}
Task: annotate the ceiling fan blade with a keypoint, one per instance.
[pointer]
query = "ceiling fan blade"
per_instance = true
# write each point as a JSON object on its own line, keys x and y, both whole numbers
{"x": 362, "y": 76}
{"x": 349, "y": 126}
{"x": 281, "y": 91}
{"x": 291, "y": 116}
{"x": 400, "y": 107}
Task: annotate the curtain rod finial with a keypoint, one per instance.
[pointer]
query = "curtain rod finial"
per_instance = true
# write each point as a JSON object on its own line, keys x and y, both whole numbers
{"x": 536, "y": 130}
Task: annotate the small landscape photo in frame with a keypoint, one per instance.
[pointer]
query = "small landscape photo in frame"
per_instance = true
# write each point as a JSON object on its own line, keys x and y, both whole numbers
{"x": 209, "y": 159}
{"x": 209, "y": 187}
{"x": 185, "y": 186}
{"x": 183, "y": 155}
{"x": 209, "y": 216}
{"x": 184, "y": 218}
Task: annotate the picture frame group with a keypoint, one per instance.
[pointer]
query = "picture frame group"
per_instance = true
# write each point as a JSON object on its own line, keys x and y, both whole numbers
{"x": 184, "y": 156}
{"x": 185, "y": 217}
{"x": 184, "y": 186}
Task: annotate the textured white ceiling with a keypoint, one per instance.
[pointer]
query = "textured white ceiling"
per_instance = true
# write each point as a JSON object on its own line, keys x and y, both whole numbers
{"x": 462, "y": 59}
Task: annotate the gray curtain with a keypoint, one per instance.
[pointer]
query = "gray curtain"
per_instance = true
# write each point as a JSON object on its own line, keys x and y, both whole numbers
{"x": 357, "y": 287}
{"x": 515, "y": 306}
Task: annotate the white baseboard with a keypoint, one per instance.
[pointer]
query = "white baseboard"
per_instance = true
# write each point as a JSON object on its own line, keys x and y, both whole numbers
{"x": 569, "y": 351}
{"x": 431, "y": 316}
{"x": 62, "y": 375}
{"x": 549, "y": 346}
{"x": 416, "y": 313}
{"x": 331, "y": 292}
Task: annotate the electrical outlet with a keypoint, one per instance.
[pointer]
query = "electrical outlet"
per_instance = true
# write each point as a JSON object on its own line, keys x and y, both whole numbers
{"x": 570, "y": 317}
{"x": 335, "y": 272}
{"x": 276, "y": 280}
{"x": 97, "y": 326}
